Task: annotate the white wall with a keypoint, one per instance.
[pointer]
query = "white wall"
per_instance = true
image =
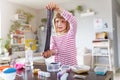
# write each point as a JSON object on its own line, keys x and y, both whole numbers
{"x": 85, "y": 32}
{"x": 8, "y": 10}
{"x": 116, "y": 43}
{"x": 118, "y": 35}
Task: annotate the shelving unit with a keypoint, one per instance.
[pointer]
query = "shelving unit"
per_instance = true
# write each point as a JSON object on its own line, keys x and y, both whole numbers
{"x": 87, "y": 14}
{"x": 18, "y": 42}
{"x": 22, "y": 38}
{"x": 101, "y": 53}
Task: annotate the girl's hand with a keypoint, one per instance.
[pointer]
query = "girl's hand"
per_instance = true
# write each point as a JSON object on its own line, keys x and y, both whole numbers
{"x": 47, "y": 53}
{"x": 53, "y": 6}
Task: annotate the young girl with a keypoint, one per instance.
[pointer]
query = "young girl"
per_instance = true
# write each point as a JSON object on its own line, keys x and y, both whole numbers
{"x": 63, "y": 45}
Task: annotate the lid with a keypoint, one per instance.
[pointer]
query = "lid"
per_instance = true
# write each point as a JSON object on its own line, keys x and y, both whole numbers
{"x": 47, "y": 74}
{"x": 9, "y": 70}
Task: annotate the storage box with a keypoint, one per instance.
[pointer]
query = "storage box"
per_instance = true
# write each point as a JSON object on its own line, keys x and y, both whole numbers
{"x": 102, "y": 35}
{"x": 53, "y": 67}
{"x": 100, "y": 70}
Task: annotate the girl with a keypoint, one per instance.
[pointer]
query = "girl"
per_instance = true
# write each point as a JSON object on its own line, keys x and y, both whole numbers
{"x": 62, "y": 44}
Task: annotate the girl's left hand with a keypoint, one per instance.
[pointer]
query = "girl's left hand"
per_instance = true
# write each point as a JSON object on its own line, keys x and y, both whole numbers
{"x": 47, "y": 54}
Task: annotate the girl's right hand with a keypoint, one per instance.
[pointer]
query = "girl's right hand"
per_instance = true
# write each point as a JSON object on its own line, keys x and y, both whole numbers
{"x": 47, "y": 54}
{"x": 53, "y": 6}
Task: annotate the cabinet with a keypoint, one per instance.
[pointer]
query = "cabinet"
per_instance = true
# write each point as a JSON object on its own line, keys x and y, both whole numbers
{"x": 101, "y": 53}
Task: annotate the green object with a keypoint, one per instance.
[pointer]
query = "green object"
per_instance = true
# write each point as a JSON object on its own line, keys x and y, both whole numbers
{"x": 79, "y": 8}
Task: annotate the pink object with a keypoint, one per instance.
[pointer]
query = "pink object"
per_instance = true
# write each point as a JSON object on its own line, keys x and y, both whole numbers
{"x": 19, "y": 66}
{"x": 65, "y": 45}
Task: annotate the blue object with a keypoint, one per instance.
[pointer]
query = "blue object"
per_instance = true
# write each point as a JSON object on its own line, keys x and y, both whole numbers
{"x": 100, "y": 73}
{"x": 9, "y": 70}
{"x": 100, "y": 70}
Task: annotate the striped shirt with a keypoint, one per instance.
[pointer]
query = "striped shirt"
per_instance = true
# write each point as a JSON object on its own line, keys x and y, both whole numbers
{"x": 65, "y": 45}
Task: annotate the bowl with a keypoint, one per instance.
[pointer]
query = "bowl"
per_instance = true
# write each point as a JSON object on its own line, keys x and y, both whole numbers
{"x": 53, "y": 67}
{"x": 80, "y": 68}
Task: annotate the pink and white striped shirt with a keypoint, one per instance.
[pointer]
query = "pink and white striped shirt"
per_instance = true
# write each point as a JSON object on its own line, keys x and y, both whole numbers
{"x": 65, "y": 45}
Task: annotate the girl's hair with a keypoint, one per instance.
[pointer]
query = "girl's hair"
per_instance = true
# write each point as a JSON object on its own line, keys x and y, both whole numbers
{"x": 58, "y": 15}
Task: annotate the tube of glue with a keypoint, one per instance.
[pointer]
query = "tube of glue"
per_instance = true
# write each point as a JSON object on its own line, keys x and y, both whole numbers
{"x": 64, "y": 76}
{"x": 43, "y": 74}
{"x": 59, "y": 74}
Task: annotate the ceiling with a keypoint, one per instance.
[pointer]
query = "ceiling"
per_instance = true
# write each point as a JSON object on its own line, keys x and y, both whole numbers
{"x": 38, "y": 4}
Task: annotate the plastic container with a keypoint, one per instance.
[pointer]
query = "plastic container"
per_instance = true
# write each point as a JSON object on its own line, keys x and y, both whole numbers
{"x": 43, "y": 75}
{"x": 9, "y": 74}
{"x": 100, "y": 70}
{"x": 53, "y": 67}
{"x": 13, "y": 63}
{"x": 65, "y": 67}
{"x": 28, "y": 57}
{"x": 80, "y": 68}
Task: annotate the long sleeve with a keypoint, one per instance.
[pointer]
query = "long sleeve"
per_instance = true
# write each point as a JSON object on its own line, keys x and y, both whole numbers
{"x": 64, "y": 45}
{"x": 53, "y": 45}
{"x": 72, "y": 20}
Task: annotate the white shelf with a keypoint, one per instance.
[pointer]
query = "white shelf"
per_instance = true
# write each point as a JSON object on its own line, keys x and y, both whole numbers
{"x": 18, "y": 51}
{"x": 18, "y": 44}
{"x": 21, "y": 35}
{"x": 87, "y": 14}
{"x": 102, "y": 65}
{"x": 101, "y": 53}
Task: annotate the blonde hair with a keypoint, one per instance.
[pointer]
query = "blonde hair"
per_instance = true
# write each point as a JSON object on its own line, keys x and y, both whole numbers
{"x": 58, "y": 15}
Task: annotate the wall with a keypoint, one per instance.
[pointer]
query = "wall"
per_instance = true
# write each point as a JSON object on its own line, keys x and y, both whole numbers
{"x": 85, "y": 30}
{"x": 115, "y": 14}
{"x": 8, "y": 11}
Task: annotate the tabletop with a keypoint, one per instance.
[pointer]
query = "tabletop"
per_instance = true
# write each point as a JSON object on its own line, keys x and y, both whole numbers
{"x": 27, "y": 74}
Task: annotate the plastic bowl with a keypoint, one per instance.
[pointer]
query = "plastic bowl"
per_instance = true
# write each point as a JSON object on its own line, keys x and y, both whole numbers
{"x": 53, "y": 67}
{"x": 9, "y": 74}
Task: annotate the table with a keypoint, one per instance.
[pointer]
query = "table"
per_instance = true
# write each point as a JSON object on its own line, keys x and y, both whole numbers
{"x": 28, "y": 75}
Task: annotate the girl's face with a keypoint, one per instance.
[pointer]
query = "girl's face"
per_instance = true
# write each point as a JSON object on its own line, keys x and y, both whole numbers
{"x": 60, "y": 24}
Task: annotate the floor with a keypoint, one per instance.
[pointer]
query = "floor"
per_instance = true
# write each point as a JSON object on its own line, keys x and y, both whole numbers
{"x": 117, "y": 75}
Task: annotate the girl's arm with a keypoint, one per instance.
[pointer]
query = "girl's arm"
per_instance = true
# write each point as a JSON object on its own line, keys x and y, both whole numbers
{"x": 53, "y": 46}
{"x": 72, "y": 21}
{"x": 68, "y": 16}
{"x": 52, "y": 51}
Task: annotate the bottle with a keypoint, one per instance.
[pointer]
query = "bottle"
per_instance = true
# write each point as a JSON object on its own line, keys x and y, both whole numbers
{"x": 13, "y": 63}
{"x": 28, "y": 57}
